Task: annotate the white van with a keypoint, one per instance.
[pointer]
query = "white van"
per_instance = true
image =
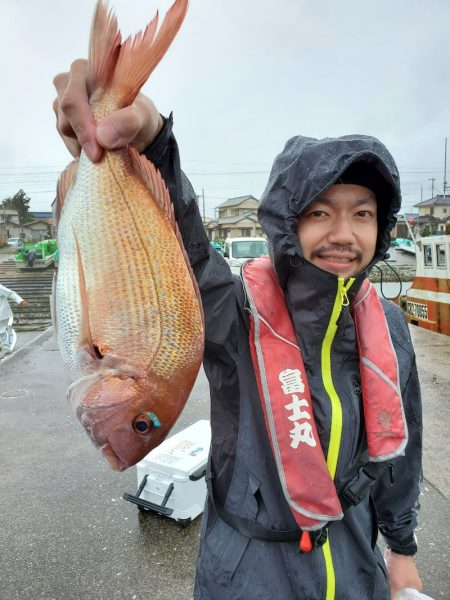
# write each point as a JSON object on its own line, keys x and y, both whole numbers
{"x": 237, "y": 250}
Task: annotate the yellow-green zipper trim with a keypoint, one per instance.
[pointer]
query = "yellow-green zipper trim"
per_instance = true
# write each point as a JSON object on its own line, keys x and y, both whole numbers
{"x": 336, "y": 408}
{"x": 336, "y": 414}
{"x": 329, "y": 569}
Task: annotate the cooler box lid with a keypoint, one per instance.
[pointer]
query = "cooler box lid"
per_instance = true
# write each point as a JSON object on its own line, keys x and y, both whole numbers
{"x": 181, "y": 454}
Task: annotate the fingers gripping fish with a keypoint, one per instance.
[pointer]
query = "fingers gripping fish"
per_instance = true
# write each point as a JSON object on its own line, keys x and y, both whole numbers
{"x": 127, "y": 308}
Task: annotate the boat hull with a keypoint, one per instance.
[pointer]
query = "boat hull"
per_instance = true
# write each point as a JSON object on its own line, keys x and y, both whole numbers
{"x": 428, "y": 304}
{"x": 39, "y": 264}
{"x": 428, "y": 298}
{"x": 38, "y": 256}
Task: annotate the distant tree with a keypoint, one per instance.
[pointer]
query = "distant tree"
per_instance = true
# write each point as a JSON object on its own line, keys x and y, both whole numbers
{"x": 425, "y": 231}
{"x": 21, "y": 203}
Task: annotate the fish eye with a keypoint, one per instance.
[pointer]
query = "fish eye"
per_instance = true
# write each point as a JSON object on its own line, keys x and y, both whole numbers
{"x": 142, "y": 424}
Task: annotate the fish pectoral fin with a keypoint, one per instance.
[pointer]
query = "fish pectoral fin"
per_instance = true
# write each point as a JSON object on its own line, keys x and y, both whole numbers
{"x": 85, "y": 327}
{"x": 65, "y": 182}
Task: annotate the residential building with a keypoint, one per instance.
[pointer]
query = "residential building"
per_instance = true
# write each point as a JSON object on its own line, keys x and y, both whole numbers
{"x": 9, "y": 224}
{"x": 401, "y": 229}
{"x": 438, "y": 206}
{"x": 38, "y": 230}
{"x": 237, "y": 217}
{"x": 434, "y": 215}
{"x": 9, "y": 214}
{"x": 32, "y": 231}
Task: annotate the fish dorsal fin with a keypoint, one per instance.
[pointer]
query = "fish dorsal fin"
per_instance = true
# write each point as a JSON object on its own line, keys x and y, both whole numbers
{"x": 65, "y": 182}
{"x": 86, "y": 342}
{"x": 155, "y": 183}
{"x": 121, "y": 69}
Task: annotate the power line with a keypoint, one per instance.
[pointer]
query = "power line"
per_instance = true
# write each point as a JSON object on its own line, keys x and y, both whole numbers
{"x": 49, "y": 170}
{"x": 38, "y": 191}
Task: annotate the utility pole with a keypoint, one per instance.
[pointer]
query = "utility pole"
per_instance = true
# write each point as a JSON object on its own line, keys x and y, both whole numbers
{"x": 445, "y": 167}
{"x": 197, "y": 196}
{"x": 432, "y": 179}
{"x": 203, "y": 196}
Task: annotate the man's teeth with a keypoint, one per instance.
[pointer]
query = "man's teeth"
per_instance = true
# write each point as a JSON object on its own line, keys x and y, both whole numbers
{"x": 339, "y": 259}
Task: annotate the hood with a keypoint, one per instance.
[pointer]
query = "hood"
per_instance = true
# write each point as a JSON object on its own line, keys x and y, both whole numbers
{"x": 305, "y": 168}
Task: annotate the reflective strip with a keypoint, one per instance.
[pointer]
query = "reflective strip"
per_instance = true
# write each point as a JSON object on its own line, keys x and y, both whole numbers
{"x": 380, "y": 374}
{"x": 331, "y": 580}
{"x": 272, "y": 331}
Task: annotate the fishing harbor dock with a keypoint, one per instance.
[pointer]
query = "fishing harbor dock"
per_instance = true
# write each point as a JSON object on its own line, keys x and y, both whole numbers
{"x": 67, "y": 534}
{"x": 34, "y": 286}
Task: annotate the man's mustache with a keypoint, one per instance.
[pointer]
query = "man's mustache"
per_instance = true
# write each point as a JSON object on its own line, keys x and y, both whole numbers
{"x": 336, "y": 249}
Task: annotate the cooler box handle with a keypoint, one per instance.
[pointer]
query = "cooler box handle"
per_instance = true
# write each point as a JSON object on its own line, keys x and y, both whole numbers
{"x": 198, "y": 474}
{"x": 158, "y": 508}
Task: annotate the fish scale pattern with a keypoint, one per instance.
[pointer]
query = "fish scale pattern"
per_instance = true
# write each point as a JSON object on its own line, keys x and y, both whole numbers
{"x": 142, "y": 303}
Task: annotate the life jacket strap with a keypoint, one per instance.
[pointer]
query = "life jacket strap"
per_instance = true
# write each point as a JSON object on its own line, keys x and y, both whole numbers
{"x": 360, "y": 485}
{"x": 247, "y": 527}
{"x": 355, "y": 491}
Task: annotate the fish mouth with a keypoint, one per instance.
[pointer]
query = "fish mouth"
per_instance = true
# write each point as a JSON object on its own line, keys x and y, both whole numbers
{"x": 103, "y": 403}
{"x": 112, "y": 458}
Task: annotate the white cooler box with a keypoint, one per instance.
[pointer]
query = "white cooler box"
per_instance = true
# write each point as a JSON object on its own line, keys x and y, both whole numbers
{"x": 171, "y": 478}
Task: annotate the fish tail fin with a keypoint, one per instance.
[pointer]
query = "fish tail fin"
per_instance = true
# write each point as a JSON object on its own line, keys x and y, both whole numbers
{"x": 104, "y": 48}
{"x": 123, "y": 68}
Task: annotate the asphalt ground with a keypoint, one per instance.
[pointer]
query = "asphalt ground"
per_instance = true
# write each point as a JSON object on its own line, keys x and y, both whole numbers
{"x": 67, "y": 534}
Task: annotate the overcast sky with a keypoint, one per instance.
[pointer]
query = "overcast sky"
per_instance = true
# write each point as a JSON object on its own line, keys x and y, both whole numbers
{"x": 241, "y": 78}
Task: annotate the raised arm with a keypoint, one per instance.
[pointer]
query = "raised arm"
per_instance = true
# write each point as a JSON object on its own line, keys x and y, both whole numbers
{"x": 11, "y": 295}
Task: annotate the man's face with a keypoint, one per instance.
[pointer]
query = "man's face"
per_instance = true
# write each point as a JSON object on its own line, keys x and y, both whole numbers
{"x": 338, "y": 231}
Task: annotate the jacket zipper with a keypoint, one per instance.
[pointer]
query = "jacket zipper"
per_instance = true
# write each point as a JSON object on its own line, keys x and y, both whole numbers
{"x": 340, "y": 301}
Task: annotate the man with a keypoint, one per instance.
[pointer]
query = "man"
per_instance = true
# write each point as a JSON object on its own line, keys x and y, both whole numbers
{"x": 315, "y": 403}
{"x": 5, "y": 314}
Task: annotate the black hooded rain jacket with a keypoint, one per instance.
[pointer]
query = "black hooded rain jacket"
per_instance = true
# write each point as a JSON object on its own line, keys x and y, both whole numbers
{"x": 245, "y": 481}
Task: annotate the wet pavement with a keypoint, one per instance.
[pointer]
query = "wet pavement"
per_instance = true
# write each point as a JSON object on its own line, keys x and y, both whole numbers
{"x": 67, "y": 534}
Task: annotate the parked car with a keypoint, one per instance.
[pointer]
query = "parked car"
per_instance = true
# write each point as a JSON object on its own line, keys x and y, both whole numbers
{"x": 15, "y": 243}
{"x": 217, "y": 246}
{"x": 237, "y": 250}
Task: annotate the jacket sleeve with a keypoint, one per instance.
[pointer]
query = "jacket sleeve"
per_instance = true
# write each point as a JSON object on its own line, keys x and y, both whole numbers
{"x": 4, "y": 291}
{"x": 215, "y": 280}
{"x": 396, "y": 494}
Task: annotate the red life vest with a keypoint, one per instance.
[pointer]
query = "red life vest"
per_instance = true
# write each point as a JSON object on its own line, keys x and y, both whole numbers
{"x": 286, "y": 399}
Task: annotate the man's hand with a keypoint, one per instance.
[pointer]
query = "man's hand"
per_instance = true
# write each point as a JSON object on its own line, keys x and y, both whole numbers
{"x": 138, "y": 124}
{"x": 402, "y": 572}
{"x": 24, "y": 303}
